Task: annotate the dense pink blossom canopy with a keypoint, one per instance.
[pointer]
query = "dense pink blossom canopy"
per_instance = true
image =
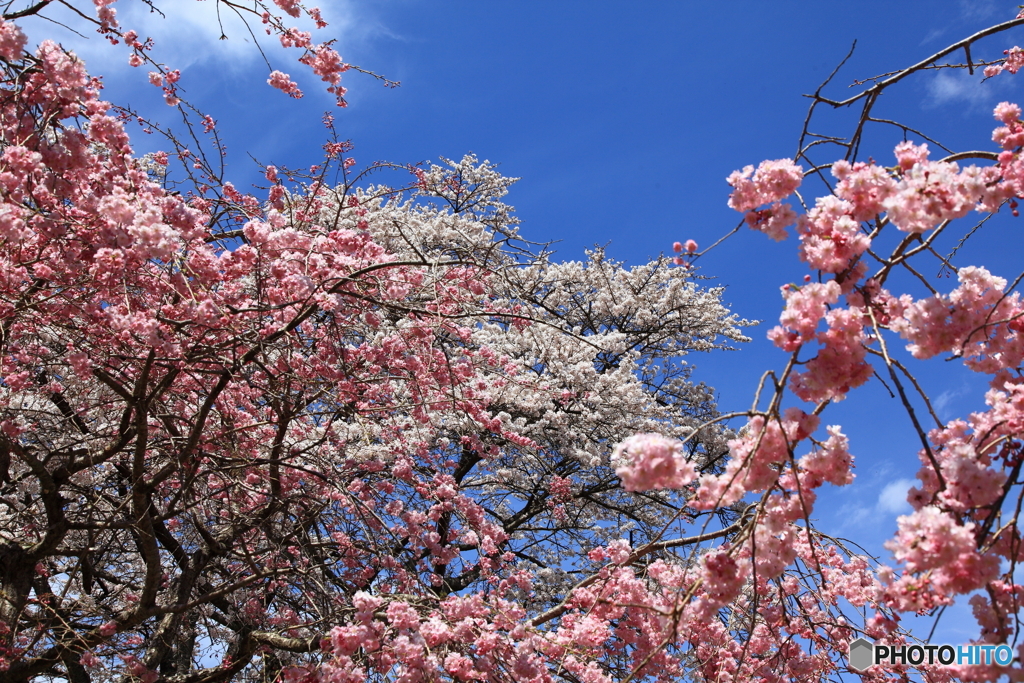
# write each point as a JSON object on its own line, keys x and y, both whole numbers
{"x": 348, "y": 431}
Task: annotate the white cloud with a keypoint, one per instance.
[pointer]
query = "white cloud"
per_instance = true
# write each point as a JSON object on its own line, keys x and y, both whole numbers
{"x": 981, "y": 10}
{"x": 970, "y": 11}
{"x": 950, "y": 86}
{"x": 944, "y": 401}
{"x": 933, "y": 35}
{"x": 854, "y": 516}
{"x": 958, "y": 86}
{"x": 893, "y": 498}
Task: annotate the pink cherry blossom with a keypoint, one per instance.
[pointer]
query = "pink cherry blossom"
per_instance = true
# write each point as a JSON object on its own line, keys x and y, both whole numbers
{"x": 771, "y": 182}
{"x": 284, "y": 83}
{"x": 772, "y": 221}
{"x": 358, "y": 457}
{"x": 830, "y": 237}
{"x": 651, "y": 461}
{"x": 12, "y": 40}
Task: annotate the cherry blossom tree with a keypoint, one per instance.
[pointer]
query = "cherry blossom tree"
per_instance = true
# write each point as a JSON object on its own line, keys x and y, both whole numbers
{"x": 340, "y": 431}
{"x": 350, "y": 432}
{"x": 868, "y": 308}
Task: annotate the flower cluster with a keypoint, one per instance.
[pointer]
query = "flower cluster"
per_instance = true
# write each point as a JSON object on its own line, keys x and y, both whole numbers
{"x": 646, "y": 462}
{"x": 357, "y": 423}
{"x": 952, "y": 544}
{"x": 770, "y": 183}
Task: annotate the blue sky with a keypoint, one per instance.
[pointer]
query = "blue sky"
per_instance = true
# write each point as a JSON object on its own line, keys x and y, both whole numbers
{"x": 622, "y": 119}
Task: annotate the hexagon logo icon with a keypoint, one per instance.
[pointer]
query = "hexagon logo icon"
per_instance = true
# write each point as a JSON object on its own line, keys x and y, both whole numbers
{"x": 862, "y": 654}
